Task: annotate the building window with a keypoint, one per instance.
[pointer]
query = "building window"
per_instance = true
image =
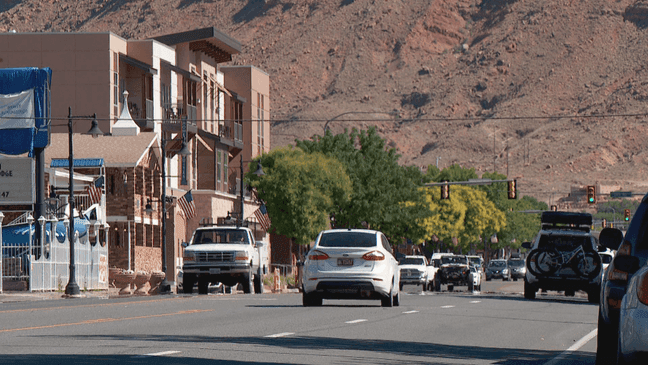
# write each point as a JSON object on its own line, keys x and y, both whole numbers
{"x": 225, "y": 171}
{"x": 218, "y": 168}
{"x": 115, "y": 84}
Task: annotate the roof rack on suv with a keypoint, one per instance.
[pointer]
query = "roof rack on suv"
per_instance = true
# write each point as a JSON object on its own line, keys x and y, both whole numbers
{"x": 566, "y": 220}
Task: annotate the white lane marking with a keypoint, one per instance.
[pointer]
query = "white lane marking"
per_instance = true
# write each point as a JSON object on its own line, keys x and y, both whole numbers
{"x": 356, "y": 321}
{"x": 447, "y": 306}
{"x": 573, "y": 347}
{"x": 475, "y": 301}
{"x": 283, "y": 334}
{"x": 163, "y": 353}
{"x": 410, "y": 312}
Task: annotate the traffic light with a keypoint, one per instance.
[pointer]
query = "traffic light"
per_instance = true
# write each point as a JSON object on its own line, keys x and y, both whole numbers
{"x": 604, "y": 223}
{"x": 591, "y": 194}
{"x": 512, "y": 189}
{"x": 445, "y": 191}
{"x": 626, "y": 215}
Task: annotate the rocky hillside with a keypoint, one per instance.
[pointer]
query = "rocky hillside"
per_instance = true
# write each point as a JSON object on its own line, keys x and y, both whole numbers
{"x": 552, "y": 92}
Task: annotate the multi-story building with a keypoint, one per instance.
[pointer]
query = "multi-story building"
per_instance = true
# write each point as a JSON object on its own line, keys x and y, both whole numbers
{"x": 178, "y": 89}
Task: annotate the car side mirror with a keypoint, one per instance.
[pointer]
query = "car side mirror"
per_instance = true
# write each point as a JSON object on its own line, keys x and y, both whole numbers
{"x": 629, "y": 264}
{"x": 526, "y": 245}
{"x": 259, "y": 244}
{"x": 184, "y": 244}
{"x": 611, "y": 238}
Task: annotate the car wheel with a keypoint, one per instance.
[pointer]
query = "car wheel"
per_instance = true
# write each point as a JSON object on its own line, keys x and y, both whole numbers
{"x": 450, "y": 287}
{"x": 529, "y": 291}
{"x": 258, "y": 284}
{"x": 311, "y": 300}
{"x": 396, "y": 300}
{"x": 594, "y": 294}
{"x": 247, "y": 283}
{"x": 188, "y": 282}
{"x": 400, "y": 286}
{"x": 570, "y": 293}
{"x": 430, "y": 286}
{"x": 387, "y": 301}
{"x": 514, "y": 279}
{"x": 471, "y": 287}
{"x": 437, "y": 285}
{"x": 203, "y": 286}
{"x": 607, "y": 342}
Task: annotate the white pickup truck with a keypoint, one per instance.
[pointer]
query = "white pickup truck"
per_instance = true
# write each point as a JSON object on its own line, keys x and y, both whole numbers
{"x": 414, "y": 270}
{"x": 222, "y": 254}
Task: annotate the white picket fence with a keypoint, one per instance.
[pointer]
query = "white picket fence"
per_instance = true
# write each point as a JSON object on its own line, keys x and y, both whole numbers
{"x": 47, "y": 268}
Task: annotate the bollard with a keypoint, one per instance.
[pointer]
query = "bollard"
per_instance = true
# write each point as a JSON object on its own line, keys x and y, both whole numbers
{"x": 277, "y": 280}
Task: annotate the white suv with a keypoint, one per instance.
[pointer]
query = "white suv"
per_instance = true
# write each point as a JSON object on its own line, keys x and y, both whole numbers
{"x": 351, "y": 264}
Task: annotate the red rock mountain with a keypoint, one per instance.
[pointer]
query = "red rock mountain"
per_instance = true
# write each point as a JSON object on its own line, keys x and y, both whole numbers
{"x": 552, "y": 92}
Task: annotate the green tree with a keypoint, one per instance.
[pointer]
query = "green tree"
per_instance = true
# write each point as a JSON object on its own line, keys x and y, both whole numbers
{"x": 380, "y": 185}
{"x": 467, "y": 216}
{"x": 301, "y": 190}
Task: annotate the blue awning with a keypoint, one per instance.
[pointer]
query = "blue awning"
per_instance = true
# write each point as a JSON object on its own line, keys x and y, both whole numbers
{"x": 81, "y": 162}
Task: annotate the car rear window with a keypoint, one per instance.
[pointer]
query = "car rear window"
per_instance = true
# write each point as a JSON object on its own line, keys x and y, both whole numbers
{"x": 564, "y": 242}
{"x": 348, "y": 239}
{"x": 412, "y": 261}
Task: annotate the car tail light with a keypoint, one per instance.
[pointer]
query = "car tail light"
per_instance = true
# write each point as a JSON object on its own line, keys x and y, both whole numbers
{"x": 642, "y": 288}
{"x": 373, "y": 256}
{"x": 615, "y": 274}
{"x": 318, "y": 255}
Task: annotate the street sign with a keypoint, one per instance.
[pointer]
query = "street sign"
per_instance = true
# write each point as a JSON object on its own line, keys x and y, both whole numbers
{"x": 17, "y": 181}
{"x": 620, "y": 194}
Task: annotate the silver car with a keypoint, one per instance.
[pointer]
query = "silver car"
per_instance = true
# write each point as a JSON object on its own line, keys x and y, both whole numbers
{"x": 633, "y": 321}
{"x": 351, "y": 264}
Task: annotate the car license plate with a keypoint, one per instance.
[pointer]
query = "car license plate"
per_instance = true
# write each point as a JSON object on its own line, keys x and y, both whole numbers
{"x": 345, "y": 262}
{"x": 214, "y": 271}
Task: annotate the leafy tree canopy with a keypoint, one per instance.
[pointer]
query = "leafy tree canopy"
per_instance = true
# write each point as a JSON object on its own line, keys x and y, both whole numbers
{"x": 380, "y": 184}
{"x": 301, "y": 190}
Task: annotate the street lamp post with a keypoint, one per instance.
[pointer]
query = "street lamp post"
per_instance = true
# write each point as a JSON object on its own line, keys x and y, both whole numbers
{"x": 165, "y": 286}
{"x": 72, "y": 287}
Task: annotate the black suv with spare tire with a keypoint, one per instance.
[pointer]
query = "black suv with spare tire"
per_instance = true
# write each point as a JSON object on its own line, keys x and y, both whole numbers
{"x": 563, "y": 257}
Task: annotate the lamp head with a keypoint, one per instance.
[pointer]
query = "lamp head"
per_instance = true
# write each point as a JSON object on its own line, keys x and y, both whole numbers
{"x": 94, "y": 130}
{"x": 184, "y": 151}
{"x": 259, "y": 170}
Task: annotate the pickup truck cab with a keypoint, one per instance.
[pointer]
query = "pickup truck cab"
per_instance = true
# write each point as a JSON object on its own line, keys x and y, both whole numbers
{"x": 413, "y": 270}
{"x": 222, "y": 254}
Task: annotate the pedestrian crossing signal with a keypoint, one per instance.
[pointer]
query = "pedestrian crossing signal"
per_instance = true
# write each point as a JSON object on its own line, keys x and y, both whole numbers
{"x": 604, "y": 223}
{"x": 626, "y": 215}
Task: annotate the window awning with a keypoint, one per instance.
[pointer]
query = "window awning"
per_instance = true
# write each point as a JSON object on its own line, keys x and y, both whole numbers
{"x": 139, "y": 64}
{"x": 180, "y": 71}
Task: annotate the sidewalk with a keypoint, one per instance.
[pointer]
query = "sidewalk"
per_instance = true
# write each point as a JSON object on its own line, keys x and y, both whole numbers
{"x": 25, "y": 296}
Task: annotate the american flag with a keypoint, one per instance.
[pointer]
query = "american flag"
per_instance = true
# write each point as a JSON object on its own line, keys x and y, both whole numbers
{"x": 94, "y": 190}
{"x": 187, "y": 204}
{"x": 262, "y": 215}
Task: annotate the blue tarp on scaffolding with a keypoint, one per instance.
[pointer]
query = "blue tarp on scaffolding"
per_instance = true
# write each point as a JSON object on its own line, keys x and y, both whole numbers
{"x": 24, "y": 109}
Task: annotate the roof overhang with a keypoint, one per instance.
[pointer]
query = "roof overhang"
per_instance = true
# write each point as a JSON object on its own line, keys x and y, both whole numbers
{"x": 139, "y": 64}
{"x": 210, "y": 41}
{"x": 180, "y": 71}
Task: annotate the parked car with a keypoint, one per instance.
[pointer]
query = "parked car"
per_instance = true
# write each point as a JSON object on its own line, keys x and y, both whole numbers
{"x": 351, "y": 264}
{"x": 497, "y": 269}
{"x": 631, "y": 254}
{"x": 517, "y": 268}
{"x": 413, "y": 270}
{"x": 633, "y": 321}
{"x": 474, "y": 283}
{"x": 563, "y": 256}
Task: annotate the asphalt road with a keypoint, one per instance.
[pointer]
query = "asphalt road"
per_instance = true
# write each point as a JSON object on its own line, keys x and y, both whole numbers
{"x": 496, "y": 326}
